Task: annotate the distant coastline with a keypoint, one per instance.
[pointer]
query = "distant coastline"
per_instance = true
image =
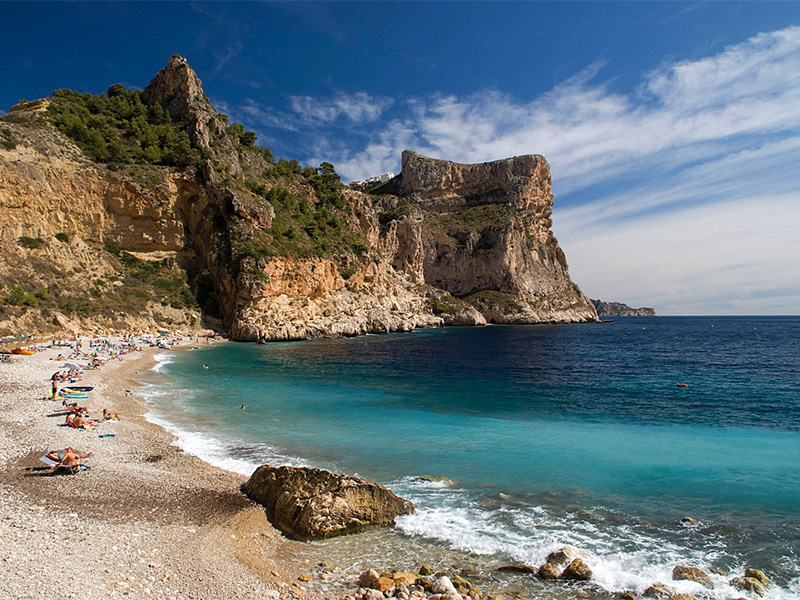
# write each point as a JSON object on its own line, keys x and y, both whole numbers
{"x": 618, "y": 309}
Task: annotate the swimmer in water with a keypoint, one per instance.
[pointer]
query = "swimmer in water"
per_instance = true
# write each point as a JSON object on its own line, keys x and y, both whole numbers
{"x": 205, "y": 366}
{"x": 242, "y": 407}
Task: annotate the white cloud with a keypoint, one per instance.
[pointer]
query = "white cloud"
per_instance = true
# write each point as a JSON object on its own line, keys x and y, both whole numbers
{"x": 358, "y": 108}
{"x": 733, "y": 257}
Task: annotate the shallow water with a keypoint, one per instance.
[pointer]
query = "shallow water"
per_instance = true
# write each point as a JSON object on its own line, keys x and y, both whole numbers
{"x": 553, "y": 434}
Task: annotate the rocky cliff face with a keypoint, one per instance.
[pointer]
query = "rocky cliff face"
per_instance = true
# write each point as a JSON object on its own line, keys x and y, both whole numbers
{"x": 278, "y": 253}
{"x": 618, "y": 309}
{"x": 72, "y": 208}
{"x": 482, "y": 233}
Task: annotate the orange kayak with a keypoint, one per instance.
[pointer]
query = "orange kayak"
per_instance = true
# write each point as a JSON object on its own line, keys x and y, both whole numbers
{"x": 23, "y": 351}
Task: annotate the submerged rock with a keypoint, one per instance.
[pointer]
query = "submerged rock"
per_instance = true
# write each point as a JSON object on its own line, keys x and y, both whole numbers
{"x": 307, "y": 504}
{"x": 662, "y": 592}
{"x": 517, "y": 569}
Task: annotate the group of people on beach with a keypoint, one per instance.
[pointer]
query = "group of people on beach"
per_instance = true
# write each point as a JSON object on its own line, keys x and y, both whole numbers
{"x": 96, "y": 351}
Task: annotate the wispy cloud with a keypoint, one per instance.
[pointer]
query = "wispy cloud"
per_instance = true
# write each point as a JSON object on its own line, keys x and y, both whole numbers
{"x": 358, "y": 108}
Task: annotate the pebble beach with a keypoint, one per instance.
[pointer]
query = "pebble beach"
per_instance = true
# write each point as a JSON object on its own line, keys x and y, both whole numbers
{"x": 145, "y": 521}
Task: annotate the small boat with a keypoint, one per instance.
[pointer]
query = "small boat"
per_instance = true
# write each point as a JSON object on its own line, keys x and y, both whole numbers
{"x": 23, "y": 351}
{"x": 683, "y": 385}
{"x": 78, "y": 388}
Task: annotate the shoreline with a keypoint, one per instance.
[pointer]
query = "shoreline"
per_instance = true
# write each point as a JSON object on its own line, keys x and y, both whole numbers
{"x": 148, "y": 520}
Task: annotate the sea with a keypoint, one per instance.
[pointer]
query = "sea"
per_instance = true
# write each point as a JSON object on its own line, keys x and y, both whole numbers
{"x": 515, "y": 441}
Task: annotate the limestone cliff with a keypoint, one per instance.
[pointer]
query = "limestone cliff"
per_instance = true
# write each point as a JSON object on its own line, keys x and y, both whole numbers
{"x": 483, "y": 234}
{"x": 270, "y": 249}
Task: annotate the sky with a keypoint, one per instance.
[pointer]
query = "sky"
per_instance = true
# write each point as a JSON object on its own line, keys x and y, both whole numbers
{"x": 672, "y": 128}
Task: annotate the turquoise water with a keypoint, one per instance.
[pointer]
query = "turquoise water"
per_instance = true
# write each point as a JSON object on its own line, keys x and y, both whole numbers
{"x": 553, "y": 434}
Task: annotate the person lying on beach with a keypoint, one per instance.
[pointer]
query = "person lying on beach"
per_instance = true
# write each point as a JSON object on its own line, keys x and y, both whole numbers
{"x": 110, "y": 416}
{"x": 80, "y": 423}
{"x": 76, "y": 421}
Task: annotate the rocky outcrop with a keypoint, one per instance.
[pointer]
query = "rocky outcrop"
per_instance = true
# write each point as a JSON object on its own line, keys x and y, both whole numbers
{"x": 179, "y": 91}
{"x": 484, "y": 234}
{"x": 618, "y": 309}
{"x": 307, "y": 504}
{"x": 749, "y": 584}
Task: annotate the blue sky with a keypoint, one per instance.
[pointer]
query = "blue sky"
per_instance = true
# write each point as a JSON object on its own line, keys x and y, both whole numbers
{"x": 672, "y": 129}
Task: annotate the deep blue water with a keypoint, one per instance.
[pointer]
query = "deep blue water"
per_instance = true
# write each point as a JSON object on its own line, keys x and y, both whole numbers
{"x": 555, "y": 434}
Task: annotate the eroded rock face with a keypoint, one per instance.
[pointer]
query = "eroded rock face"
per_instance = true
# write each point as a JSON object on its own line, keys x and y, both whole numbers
{"x": 485, "y": 234}
{"x": 308, "y": 504}
{"x": 178, "y": 89}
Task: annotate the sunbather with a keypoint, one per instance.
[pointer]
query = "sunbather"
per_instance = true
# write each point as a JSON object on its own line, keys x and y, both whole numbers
{"x": 110, "y": 416}
{"x": 70, "y": 459}
{"x": 80, "y": 423}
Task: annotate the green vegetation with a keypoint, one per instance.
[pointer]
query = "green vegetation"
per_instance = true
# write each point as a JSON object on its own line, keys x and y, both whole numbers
{"x": 31, "y": 243}
{"x": 301, "y": 228}
{"x": 62, "y": 237}
{"x": 7, "y": 139}
{"x": 474, "y": 217}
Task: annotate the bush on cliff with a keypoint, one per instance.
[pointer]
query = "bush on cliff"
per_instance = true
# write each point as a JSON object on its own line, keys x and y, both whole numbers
{"x": 31, "y": 243}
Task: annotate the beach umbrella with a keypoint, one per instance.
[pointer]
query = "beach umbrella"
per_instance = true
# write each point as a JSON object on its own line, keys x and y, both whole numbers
{"x": 71, "y": 367}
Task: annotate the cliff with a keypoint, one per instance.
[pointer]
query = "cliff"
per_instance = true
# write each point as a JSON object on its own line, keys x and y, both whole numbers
{"x": 618, "y": 309}
{"x": 485, "y": 236}
{"x": 175, "y": 213}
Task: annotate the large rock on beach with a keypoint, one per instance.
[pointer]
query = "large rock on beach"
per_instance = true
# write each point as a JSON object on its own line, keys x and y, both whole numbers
{"x": 307, "y": 504}
{"x": 683, "y": 573}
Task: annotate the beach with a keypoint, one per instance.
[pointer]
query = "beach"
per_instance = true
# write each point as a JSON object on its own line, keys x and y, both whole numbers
{"x": 146, "y": 521}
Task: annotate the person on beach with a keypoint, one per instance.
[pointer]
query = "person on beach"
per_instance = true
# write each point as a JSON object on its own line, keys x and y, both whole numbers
{"x": 70, "y": 459}
{"x": 80, "y": 423}
{"x": 55, "y": 386}
{"x": 110, "y": 416}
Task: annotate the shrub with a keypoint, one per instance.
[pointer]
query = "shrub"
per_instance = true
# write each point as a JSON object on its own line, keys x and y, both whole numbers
{"x": 30, "y": 243}
{"x": 118, "y": 128}
{"x": 62, "y": 237}
{"x": 112, "y": 248}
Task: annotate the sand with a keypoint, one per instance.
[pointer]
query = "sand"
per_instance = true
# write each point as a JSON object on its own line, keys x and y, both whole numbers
{"x": 146, "y": 521}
